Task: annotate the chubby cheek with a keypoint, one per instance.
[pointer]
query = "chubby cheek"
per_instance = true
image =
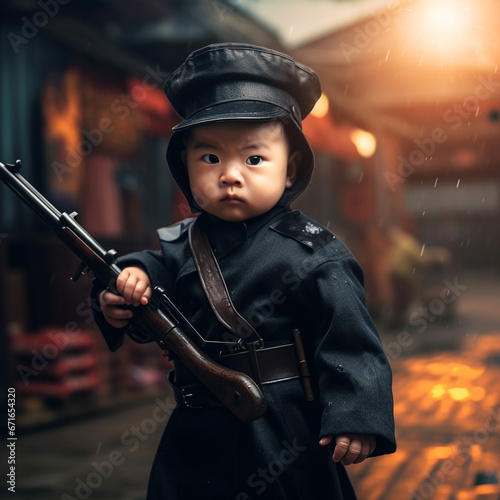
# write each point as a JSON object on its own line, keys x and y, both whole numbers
{"x": 266, "y": 195}
{"x": 202, "y": 186}
{"x": 203, "y": 192}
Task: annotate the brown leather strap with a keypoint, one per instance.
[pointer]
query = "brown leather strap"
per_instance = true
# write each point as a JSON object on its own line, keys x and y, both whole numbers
{"x": 215, "y": 287}
{"x": 276, "y": 364}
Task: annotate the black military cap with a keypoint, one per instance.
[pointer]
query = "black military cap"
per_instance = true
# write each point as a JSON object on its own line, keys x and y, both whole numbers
{"x": 241, "y": 82}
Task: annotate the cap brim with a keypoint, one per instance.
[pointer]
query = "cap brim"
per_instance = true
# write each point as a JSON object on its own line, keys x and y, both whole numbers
{"x": 233, "y": 111}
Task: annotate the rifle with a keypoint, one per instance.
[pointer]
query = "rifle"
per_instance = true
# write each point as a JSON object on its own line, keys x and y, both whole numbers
{"x": 160, "y": 320}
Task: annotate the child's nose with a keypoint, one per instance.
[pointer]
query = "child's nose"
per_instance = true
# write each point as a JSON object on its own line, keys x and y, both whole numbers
{"x": 231, "y": 176}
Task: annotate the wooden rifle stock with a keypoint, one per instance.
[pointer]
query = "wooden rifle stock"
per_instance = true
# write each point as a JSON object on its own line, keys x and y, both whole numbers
{"x": 160, "y": 320}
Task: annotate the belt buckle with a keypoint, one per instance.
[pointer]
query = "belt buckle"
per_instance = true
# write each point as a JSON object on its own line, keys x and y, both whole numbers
{"x": 185, "y": 398}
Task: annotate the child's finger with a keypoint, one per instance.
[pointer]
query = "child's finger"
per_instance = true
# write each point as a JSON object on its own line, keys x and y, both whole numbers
{"x": 353, "y": 452}
{"x": 119, "y": 313}
{"x": 341, "y": 448}
{"x": 363, "y": 454}
{"x": 140, "y": 292}
{"x": 116, "y": 316}
{"x": 368, "y": 447}
{"x": 146, "y": 297}
{"x": 122, "y": 279}
{"x": 326, "y": 440}
{"x": 109, "y": 298}
{"x": 129, "y": 290}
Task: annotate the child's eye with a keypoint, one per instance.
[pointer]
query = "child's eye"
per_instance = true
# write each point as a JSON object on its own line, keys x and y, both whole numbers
{"x": 254, "y": 160}
{"x": 210, "y": 158}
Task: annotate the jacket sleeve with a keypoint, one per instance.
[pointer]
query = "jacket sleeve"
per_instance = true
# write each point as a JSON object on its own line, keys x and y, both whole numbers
{"x": 354, "y": 376}
{"x": 153, "y": 263}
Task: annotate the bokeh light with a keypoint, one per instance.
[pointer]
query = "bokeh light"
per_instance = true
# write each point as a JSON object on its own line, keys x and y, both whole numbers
{"x": 365, "y": 142}
{"x": 321, "y": 107}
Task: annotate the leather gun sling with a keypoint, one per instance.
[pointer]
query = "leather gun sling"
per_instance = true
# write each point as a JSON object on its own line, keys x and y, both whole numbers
{"x": 215, "y": 287}
{"x": 281, "y": 365}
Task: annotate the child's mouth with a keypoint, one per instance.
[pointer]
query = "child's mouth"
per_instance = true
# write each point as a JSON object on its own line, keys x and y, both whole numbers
{"x": 231, "y": 198}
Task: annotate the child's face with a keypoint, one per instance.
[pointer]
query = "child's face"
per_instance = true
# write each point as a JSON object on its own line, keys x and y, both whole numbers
{"x": 238, "y": 170}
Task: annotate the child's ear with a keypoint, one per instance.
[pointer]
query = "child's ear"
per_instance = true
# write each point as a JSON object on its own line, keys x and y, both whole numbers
{"x": 293, "y": 165}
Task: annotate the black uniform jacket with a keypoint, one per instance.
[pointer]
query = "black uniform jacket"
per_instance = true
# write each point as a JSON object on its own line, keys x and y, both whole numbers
{"x": 283, "y": 271}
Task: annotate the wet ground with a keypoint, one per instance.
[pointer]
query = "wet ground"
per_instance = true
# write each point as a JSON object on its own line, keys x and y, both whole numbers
{"x": 447, "y": 408}
{"x": 448, "y": 421}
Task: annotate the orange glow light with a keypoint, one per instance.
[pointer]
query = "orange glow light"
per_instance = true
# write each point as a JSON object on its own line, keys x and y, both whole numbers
{"x": 475, "y": 452}
{"x": 440, "y": 452}
{"x": 477, "y": 393}
{"x": 443, "y": 15}
{"x": 487, "y": 489}
{"x": 438, "y": 391}
{"x": 443, "y": 27}
{"x": 365, "y": 143}
{"x": 321, "y": 107}
{"x": 459, "y": 393}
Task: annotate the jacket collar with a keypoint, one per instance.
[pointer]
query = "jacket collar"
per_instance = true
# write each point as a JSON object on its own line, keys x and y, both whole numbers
{"x": 224, "y": 236}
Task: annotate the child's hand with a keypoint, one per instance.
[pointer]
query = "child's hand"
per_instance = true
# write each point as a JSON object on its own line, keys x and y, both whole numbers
{"x": 350, "y": 448}
{"x": 135, "y": 288}
{"x": 133, "y": 283}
